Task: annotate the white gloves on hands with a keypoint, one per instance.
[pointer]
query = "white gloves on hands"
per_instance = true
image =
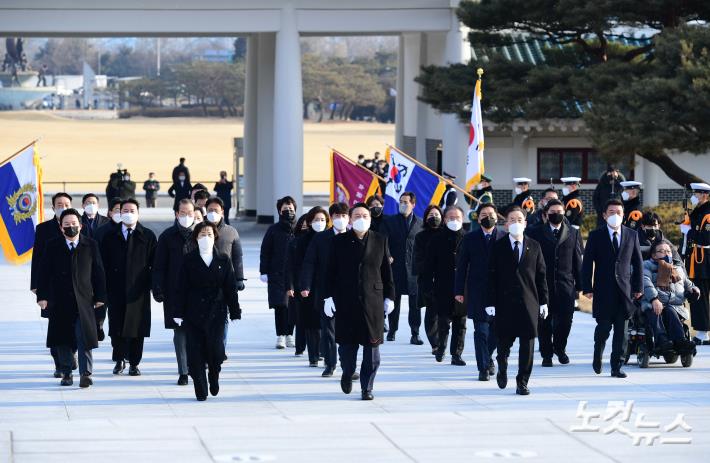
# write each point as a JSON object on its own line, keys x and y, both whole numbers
{"x": 684, "y": 229}
{"x": 264, "y": 278}
{"x": 543, "y": 311}
{"x": 178, "y": 321}
{"x": 491, "y": 311}
{"x": 389, "y": 306}
{"x": 329, "y": 307}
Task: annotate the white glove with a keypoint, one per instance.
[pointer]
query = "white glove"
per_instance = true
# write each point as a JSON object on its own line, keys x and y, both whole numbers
{"x": 576, "y": 303}
{"x": 576, "y": 227}
{"x": 178, "y": 321}
{"x": 684, "y": 229}
{"x": 329, "y": 307}
{"x": 543, "y": 311}
{"x": 491, "y": 311}
{"x": 264, "y": 278}
{"x": 389, "y": 306}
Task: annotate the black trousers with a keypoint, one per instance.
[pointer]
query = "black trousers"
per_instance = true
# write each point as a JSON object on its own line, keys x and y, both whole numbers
{"x": 619, "y": 324}
{"x": 554, "y": 330}
{"x": 370, "y": 363}
{"x": 431, "y": 325}
{"x": 329, "y": 349}
{"x": 313, "y": 344}
{"x": 284, "y": 325}
{"x": 130, "y": 349}
{"x": 457, "y": 325}
{"x": 700, "y": 308}
{"x": 525, "y": 356}
{"x": 665, "y": 327}
{"x": 300, "y": 337}
{"x": 204, "y": 347}
{"x": 414, "y": 316}
{"x": 485, "y": 342}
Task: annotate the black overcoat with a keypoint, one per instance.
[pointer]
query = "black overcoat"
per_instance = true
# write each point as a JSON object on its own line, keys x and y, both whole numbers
{"x": 44, "y": 232}
{"x": 89, "y": 227}
{"x": 314, "y": 271}
{"x": 272, "y": 261}
{"x": 308, "y": 312}
{"x": 471, "y": 277}
{"x": 400, "y": 236}
{"x": 169, "y": 253}
{"x": 438, "y": 272}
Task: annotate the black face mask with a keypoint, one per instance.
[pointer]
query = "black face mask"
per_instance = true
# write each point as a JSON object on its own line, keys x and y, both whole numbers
{"x": 70, "y": 232}
{"x": 651, "y": 234}
{"x": 555, "y": 218}
{"x": 433, "y": 222}
{"x": 288, "y": 216}
{"x": 376, "y": 211}
{"x": 488, "y": 222}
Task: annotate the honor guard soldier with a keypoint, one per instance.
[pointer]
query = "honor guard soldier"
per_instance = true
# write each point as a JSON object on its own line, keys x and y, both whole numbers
{"x": 697, "y": 260}
{"x": 632, "y": 204}
{"x": 523, "y": 198}
{"x": 483, "y": 193}
{"x": 574, "y": 209}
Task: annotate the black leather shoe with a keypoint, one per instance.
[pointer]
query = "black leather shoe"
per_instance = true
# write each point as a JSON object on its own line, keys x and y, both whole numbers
{"x": 439, "y": 357}
{"x": 67, "y": 380}
{"x": 313, "y": 364}
{"x": 85, "y": 381}
{"x": 133, "y": 371}
{"x": 367, "y": 395}
{"x": 484, "y": 375}
{"x": 491, "y": 368}
{"x": 502, "y": 378}
{"x": 597, "y": 361}
{"x": 299, "y": 353}
{"x": 458, "y": 361}
{"x": 120, "y": 366}
{"x": 356, "y": 376}
{"x": 416, "y": 340}
{"x": 327, "y": 373}
{"x": 547, "y": 362}
{"x": 522, "y": 389}
{"x": 346, "y": 384}
{"x": 214, "y": 384}
{"x": 618, "y": 373}
{"x": 390, "y": 336}
{"x": 201, "y": 398}
{"x": 57, "y": 374}
{"x": 182, "y": 380}
{"x": 562, "y": 358}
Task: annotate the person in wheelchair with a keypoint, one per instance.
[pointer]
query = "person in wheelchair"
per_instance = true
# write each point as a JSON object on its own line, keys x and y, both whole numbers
{"x": 665, "y": 288}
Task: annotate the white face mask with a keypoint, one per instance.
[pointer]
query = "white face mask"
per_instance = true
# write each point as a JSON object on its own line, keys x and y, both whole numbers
{"x": 205, "y": 243}
{"x": 182, "y": 179}
{"x": 116, "y": 217}
{"x": 129, "y": 218}
{"x": 625, "y": 195}
{"x": 91, "y": 209}
{"x": 403, "y": 209}
{"x": 214, "y": 217}
{"x": 340, "y": 223}
{"x": 694, "y": 200}
{"x": 58, "y": 211}
{"x": 614, "y": 220}
{"x": 186, "y": 221}
{"x": 516, "y": 229}
{"x": 454, "y": 225}
{"x": 361, "y": 225}
{"x": 479, "y": 187}
{"x": 318, "y": 226}
{"x": 565, "y": 191}
{"x": 518, "y": 190}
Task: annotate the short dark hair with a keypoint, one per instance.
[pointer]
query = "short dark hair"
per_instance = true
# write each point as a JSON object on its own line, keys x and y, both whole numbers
{"x": 355, "y": 206}
{"x": 198, "y": 186}
{"x": 338, "y": 208}
{"x": 613, "y": 202}
{"x": 373, "y": 198}
{"x": 453, "y": 207}
{"x": 298, "y": 228}
{"x": 215, "y": 200}
{"x": 87, "y": 196}
{"x": 311, "y": 214}
{"x": 130, "y": 201}
{"x": 429, "y": 209}
{"x": 182, "y": 160}
{"x": 70, "y": 211}
{"x": 183, "y": 201}
{"x": 202, "y": 194}
{"x": 649, "y": 218}
{"x": 113, "y": 203}
{"x": 487, "y": 205}
{"x": 515, "y": 208}
{"x": 285, "y": 200}
{"x": 202, "y": 225}
{"x": 61, "y": 194}
{"x": 553, "y": 202}
{"x": 549, "y": 190}
{"x": 412, "y": 196}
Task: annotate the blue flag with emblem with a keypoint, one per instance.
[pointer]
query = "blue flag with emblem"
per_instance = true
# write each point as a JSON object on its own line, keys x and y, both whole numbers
{"x": 21, "y": 203}
{"x": 406, "y": 174}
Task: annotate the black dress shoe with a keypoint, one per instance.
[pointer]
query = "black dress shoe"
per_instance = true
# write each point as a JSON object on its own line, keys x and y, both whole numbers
{"x": 67, "y": 380}
{"x": 225, "y": 358}
{"x": 390, "y": 336}
{"x": 458, "y": 361}
{"x": 491, "y": 368}
{"x": 327, "y": 373}
{"x": 299, "y": 353}
{"x": 416, "y": 340}
{"x": 182, "y": 380}
{"x": 57, "y": 374}
{"x": 597, "y": 364}
{"x": 214, "y": 384}
{"x": 547, "y": 362}
{"x": 618, "y": 373}
{"x": 346, "y": 384}
{"x": 439, "y": 357}
{"x": 133, "y": 371}
{"x": 120, "y": 366}
{"x": 697, "y": 341}
{"x": 313, "y": 364}
{"x": 484, "y": 375}
{"x": 367, "y": 395}
{"x": 562, "y": 358}
{"x": 522, "y": 389}
{"x": 85, "y": 381}
{"x": 502, "y": 378}
{"x": 356, "y": 376}
{"x": 201, "y": 398}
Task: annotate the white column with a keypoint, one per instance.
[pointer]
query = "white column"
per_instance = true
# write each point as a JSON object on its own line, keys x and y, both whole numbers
{"x": 650, "y": 184}
{"x": 250, "y": 124}
{"x": 288, "y": 111}
{"x": 266, "y": 199}
{"x": 399, "y": 102}
{"x": 422, "y": 109}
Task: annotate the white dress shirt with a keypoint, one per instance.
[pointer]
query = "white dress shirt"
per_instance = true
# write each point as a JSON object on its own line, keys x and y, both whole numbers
{"x": 70, "y": 242}
{"x": 611, "y": 234}
{"x": 124, "y": 229}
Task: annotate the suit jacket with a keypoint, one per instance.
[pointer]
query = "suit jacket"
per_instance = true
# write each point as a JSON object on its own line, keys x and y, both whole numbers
{"x": 272, "y": 261}
{"x": 563, "y": 261}
{"x": 615, "y": 276}
{"x": 165, "y": 279}
{"x": 516, "y": 291}
{"x": 179, "y": 192}
{"x": 438, "y": 272}
{"x": 359, "y": 280}
{"x": 308, "y": 310}
{"x": 471, "y": 277}
{"x": 71, "y": 283}
{"x": 89, "y": 227}
{"x": 314, "y": 271}
{"x": 401, "y": 247}
{"x": 44, "y": 232}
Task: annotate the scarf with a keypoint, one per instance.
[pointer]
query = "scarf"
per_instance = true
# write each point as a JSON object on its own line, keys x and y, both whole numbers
{"x": 667, "y": 275}
{"x": 186, "y": 234}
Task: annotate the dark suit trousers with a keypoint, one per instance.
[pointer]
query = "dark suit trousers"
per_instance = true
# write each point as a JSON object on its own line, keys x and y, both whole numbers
{"x": 284, "y": 324}
{"x": 65, "y": 354}
{"x": 618, "y": 341}
{"x": 204, "y": 346}
{"x": 553, "y": 332}
{"x": 457, "y": 325}
{"x": 313, "y": 344}
{"x": 130, "y": 349}
{"x": 666, "y": 326}
{"x": 485, "y": 341}
{"x": 431, "y": 324}
{"x": 525, "y": 356}
{"x": 329, "y": 349}
{"x": 414, "y": 316}
{"x": 700, "y": 308}
{"x": 370, "y": 363}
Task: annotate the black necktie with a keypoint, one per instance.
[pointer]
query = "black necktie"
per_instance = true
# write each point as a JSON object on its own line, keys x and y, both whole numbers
{"x": 556, "y": 232}
{"x": 71, "y": 248}
{"x": 128, "y": 233}
{"x": 488, "y": 238}
{"x": 615, "y": 242}
{"x": 516, "y": 253}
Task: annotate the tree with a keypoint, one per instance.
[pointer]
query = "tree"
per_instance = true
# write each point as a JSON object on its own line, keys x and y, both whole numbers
{"x": 636, "y": 96}
{"x": 66, "y": 55}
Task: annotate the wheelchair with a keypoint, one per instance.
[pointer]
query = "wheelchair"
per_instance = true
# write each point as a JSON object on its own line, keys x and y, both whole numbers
{"x": 640, "y": 342}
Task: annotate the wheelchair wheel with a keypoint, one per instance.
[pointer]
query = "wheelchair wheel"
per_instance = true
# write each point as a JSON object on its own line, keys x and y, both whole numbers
{"x": 670, "y": 358}
{"x": 686, "y": 360}
{"x": 643, "y": 357}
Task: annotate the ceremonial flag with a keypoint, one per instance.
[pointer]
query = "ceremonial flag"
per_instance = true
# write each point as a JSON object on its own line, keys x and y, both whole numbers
{"x": 474, "y": 157}
{"x": 21, "y": 203}
{"x": 350, "y": 183}
{"x": 406, "y": 174}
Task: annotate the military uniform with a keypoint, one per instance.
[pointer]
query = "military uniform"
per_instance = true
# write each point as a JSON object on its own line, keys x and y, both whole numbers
{"x": 632, "y": 206}
{"x": 574, "y": 208}
{"x": 524, "y": 199}
{"x": 697, "y": 260}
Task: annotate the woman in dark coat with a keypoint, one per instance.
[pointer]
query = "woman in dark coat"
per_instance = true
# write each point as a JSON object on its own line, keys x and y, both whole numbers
{"x": 376, "y": 205}
{"x": 207, "y": 291}
{"x": 272, "y": 267}
{"x": 316, "y": 220}
{"x": 293, "y": 315}
{"x": 432, "y": 225}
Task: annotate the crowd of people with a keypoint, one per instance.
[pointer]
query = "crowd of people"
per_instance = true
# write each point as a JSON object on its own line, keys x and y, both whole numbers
{"x": 335, "y": 279}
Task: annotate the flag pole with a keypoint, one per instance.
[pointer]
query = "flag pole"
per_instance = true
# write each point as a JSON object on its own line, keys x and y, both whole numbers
{"x": 356, "y": 164}
{"x": 6, "y": 160}
{"x": 446, "y": 180}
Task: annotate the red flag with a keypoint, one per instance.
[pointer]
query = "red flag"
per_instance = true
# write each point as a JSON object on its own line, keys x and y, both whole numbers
{"x": 350, "y": 183}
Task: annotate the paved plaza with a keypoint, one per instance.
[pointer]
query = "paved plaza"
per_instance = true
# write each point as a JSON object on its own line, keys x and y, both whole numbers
{"x": 273, "y": 407}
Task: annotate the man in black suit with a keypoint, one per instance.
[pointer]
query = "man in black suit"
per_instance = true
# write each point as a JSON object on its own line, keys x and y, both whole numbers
{"x": 91, "y": 220}
{"x": 44, "y": 232}
{"x": 401, "y": 230}
{"x": 180, "y": 189}
{"x": 562, "y": 249}
{"x": 72, "y": 284}
{"x": 314, "y": 275}
{"x": 612, "y": 259}
{"x": 471, "y": 282}
{"x": 516, "y": 296}
{"x": 360, "y": 286}
{"x": 114, "y": 220}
